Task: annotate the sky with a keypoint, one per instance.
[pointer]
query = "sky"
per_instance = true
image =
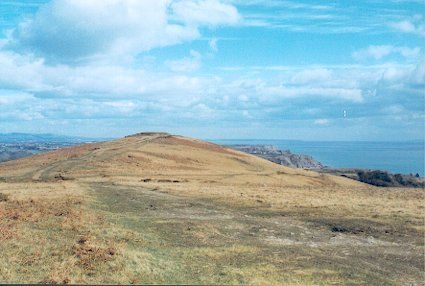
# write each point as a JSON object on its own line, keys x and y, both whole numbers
{"x": 219, "y": 69}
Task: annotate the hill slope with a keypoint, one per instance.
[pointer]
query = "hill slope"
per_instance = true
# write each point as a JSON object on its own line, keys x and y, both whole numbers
{"x": 160, "y": 155}
{"x": 156, "y": 208}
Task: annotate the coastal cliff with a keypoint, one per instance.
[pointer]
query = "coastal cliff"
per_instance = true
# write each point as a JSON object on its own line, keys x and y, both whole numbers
{"x": 372, "y": 177}
{"x": 285, "y": 158}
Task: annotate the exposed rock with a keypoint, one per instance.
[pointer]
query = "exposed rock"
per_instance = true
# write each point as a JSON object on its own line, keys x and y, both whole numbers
{"x": 285, "y": 158}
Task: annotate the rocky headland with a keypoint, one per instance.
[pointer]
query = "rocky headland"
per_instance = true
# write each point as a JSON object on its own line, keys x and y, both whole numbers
{"x": 285, "y": 158}
{"x": 372, "y": 177}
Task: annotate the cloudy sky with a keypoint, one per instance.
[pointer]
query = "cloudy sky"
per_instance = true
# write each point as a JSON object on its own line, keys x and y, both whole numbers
{"x": 312, "y": 70}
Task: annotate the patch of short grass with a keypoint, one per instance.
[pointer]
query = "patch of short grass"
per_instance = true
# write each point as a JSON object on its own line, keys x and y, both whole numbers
{"x": 3, "y": 197}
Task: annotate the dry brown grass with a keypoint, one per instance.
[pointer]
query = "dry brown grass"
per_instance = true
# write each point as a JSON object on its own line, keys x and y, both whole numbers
{"x": 161, "y": 209}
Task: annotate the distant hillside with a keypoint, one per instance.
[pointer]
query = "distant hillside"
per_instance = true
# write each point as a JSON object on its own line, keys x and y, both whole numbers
{"x": 29, "y": 137}
{"x": 19, "y": 145}
{"x": 160, "y": 151}
{"x": 13, "y": 155}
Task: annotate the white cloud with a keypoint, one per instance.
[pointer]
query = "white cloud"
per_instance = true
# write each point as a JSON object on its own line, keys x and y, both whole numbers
{"x": 417, "y": 76}
{"x": 17, "y": 71}
{"x": 8, "y": 97}
{"x": 205, "y": 12}
{"x": 411, "y": 27}
{"x": 187, "y": 64}
{"x": 247, "y": 114}
{"x": 201, "y": 111}
{"x": 312, "y": 75}
{"x": 108, "y": 90}
{"x": 122, "y": 106}
{"x": 213, "y": 45}
{"x": 409, "y": 52}
{"x": 404, "y": 26}
{"x": 31, "y": 75}
{"x": 281, "y": 92}
{"x": 322, "y": 122}
{"x": 243, "y": 98}
{"x": 97, "y": 82}
{"x": 19, "y": 115}
{"x": 394, "y": 109}
{"x": 410, "y": 75}
{"x": 379, "y": 52}
{"x": 77, "y": 30}
{"x": 376, "y": 52}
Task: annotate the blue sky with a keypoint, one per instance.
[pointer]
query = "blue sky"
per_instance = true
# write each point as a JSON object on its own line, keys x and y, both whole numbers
{"x": 267, "y": 69}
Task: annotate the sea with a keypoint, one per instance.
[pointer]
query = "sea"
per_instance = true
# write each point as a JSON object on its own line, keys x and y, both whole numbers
{"x": 395, "y": 157}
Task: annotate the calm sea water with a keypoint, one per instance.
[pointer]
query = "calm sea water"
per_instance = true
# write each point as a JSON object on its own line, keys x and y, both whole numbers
{"x": 396, "y": 157}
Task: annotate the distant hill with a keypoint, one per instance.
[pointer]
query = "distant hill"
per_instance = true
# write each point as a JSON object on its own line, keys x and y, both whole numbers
{"x": 30, "y": 137}
{"x": 13, "y": 155}
{"x": 160, "y": 151}
{"x": 19, "y": 145}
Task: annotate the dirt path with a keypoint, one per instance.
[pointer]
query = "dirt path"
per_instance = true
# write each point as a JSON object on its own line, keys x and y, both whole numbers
{"x": 287, "y": 243}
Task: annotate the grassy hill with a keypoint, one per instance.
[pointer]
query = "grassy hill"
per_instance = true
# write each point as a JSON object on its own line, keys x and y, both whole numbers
{"x": 156, "y": 208}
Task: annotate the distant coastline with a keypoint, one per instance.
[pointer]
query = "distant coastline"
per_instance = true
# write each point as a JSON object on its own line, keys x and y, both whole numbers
{"x": 378, "y": 178}
{"x": 394, "y": 157}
